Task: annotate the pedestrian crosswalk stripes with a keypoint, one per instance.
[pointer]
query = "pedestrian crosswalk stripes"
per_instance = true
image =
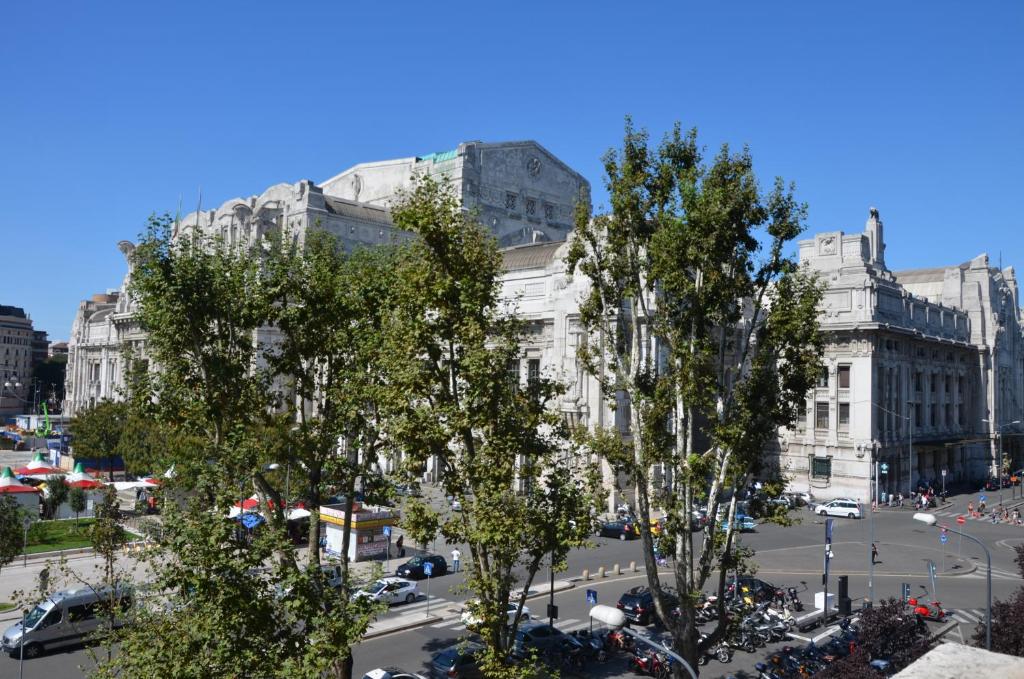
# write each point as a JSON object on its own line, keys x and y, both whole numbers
{"x": 569, "y": 625}
{"x": 971, "y": 616}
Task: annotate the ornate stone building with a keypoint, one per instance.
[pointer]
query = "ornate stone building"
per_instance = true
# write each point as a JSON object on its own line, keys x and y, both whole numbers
{"x": 923, "y": 371}
{"x": 522, "y": 192}
{"x": 16, "y": 359}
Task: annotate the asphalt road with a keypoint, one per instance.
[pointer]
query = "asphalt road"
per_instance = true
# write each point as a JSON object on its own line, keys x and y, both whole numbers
{"x": 785, "y": 556}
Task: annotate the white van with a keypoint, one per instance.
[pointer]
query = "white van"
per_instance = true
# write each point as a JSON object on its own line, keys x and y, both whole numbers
{"x": 841, "y": 507}
{"x": 63, "y": 619}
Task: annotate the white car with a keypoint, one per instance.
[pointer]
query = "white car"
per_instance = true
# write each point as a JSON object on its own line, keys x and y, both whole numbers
{"x": 391, "y": 673}
{"x": 840, "y": 507}
{"x": 456, "y": 506}
{"x": 391, "y": 591}
{"x": 470, "y": 619}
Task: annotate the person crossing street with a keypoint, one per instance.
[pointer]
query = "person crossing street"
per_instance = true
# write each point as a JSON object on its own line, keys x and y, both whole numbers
{"x": 456, "y": 557}
{"x": 874, "y": 553}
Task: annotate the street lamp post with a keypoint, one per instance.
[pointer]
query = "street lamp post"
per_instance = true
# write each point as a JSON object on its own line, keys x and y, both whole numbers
{"x": 27, "y": 523}
{"x": 616, "y": 619}
{"x": 932, "y": 521}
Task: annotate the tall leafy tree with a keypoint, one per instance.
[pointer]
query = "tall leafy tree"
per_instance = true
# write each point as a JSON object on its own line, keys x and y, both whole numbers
{"x": 98, "y": 430}
{"x": 236, "y": 601}
{"x": 328, "y": 310}
{"x": 451, "y": 341}
{"x": 11, "y": 517}
{"x": 703, "y": 334}
{"x": 77, "y": 502}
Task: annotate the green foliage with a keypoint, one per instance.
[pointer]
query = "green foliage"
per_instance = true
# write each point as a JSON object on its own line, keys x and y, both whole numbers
{"x": 97, "y": 431}
{"x": 449, "y": 343}
{"x": 889, "y": 632}
{"x": 56, "y": 495}
{"x": 693, "y": 253}
{"x": 77, "y": 501}
{"x": 1007, "y": 618}
{"x": 234, "y": 602}
{"x": 11, "y": 528}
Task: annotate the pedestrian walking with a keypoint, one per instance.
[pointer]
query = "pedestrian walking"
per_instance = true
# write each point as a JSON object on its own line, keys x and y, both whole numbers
{"x": 44, "y": 581}
{"x": 899, "y": 499}
{"x": 970, "y": 509}
{"x": 981, "y": 507}
{"x": 456, "y": 557}
{"x": 874, "y": 553}
{"x": 400, "y": 547}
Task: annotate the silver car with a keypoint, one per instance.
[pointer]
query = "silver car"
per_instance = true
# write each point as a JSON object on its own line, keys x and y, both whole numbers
{"x": 63, "y": 619}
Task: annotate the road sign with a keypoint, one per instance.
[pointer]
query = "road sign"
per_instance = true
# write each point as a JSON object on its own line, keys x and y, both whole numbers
{"x": 961, "y": 520}
{"x": 905, "y": 591}
{"x": 943, "y": 472}
{"x": 884, "y": 467}
{"x": 428, "y": 568}
{"x": 591, "y": 596}
{"x": 982, "y": 498}
{"x": 943, "y": 538}
{"x": 387, "y": 531}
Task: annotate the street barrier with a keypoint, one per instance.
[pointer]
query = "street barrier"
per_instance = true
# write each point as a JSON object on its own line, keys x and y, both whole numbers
{"x": 586, "y": 574}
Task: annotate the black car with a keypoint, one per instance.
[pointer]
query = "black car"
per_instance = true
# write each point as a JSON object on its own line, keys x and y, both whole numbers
{"x": 457, "y": 662}
{"x": 413, "y": 568}
{"x": 755, "y": 588}
{"x": 541, "y": 636}
{"x": 638, "y": 604}
{"x": 623, "y": 530}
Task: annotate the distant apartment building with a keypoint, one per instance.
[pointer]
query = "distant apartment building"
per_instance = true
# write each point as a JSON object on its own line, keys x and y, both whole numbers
{"x": 923, "y": 377}
{"x": 16, "y": 354}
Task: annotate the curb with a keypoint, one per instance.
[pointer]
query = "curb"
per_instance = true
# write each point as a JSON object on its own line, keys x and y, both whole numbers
{"x": 560, "y": 586}
{"x": 967, "y": 571}
{"x": 402, "y": 627}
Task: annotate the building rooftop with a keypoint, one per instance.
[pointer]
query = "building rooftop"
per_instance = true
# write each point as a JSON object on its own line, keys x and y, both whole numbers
{"x": 15, "y": 311}
{"x": 354, "y": 210}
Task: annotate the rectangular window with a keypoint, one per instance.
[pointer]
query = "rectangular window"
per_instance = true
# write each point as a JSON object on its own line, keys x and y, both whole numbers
{"x": 948, "y": 421}
{"x": 917, "y": 381}
{"x": 932, "y": 381}
{"x": 946, "y": 382}
{"x": 821, "y": 415}
{"x": 918, "y": 416}
{"x": 533, "y": 370}
{"x": 933, "y": 412}
{"x": 801, "y": 415}
{"x": 823, "y": 378}
{"x": 821, "y": 467}
{"x": 844, "y": 377}
{"x": 844, "y": 417}
{"x": 512, "y": 371}
{"x": 510, "y": 201}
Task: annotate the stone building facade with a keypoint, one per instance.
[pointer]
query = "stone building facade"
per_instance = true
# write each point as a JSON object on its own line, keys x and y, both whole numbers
{"x": 923, "y": 373}
{"x": 521, "y": 191}
{"x": 16, "y": 360}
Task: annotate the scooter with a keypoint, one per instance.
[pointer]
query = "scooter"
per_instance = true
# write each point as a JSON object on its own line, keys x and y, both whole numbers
{"x": 929, "y": 610}
{"x": 794, "y": 600}
{"x": 721, "y": 652}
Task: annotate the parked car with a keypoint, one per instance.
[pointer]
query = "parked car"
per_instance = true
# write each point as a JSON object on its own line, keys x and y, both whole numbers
{"x": 471, "y": 620}
{"x": 840, "y": 507}
{"x": 391, "y": 591}
{"x": 413, "y": 568}
{"x": 457, "y": 662}
{"x": 742, "y": 523}
{"x": 391, "y": 673}
{"x": 62, "y": 619}
{"x": 456, "y": 506}
{"x": 332, "y": 573}
{"x": 623, "y": 530}
{"x": 802, "y": 498}
{"x": 638, "y": 604}
{"x": 408, "y": 490}
{"x": 541, "y": 637}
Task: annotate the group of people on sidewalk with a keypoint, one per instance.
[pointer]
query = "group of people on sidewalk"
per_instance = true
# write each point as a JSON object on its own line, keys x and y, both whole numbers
{"x": 922, "y": 498}
{"x": 999, "y": 514}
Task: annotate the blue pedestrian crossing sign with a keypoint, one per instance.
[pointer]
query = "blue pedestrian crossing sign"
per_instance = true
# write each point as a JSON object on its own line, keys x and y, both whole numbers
{"x": 428, "y": 568}
{"x": 591, "y": 596}
{"x": 982, "y": 498}
{"x": 884, "y": 468}
{"x": 943, "y": 538}
{"x": 387, "y": 531}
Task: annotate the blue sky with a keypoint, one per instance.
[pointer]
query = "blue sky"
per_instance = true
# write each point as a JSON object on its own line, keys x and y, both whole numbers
{"x": 109, "y": 112}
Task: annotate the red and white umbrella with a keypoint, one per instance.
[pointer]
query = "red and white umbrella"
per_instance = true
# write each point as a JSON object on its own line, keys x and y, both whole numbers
{"x": 10, "y": 484}
{"x": 79, "y": 479}
{"x": 38, "y": 468}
